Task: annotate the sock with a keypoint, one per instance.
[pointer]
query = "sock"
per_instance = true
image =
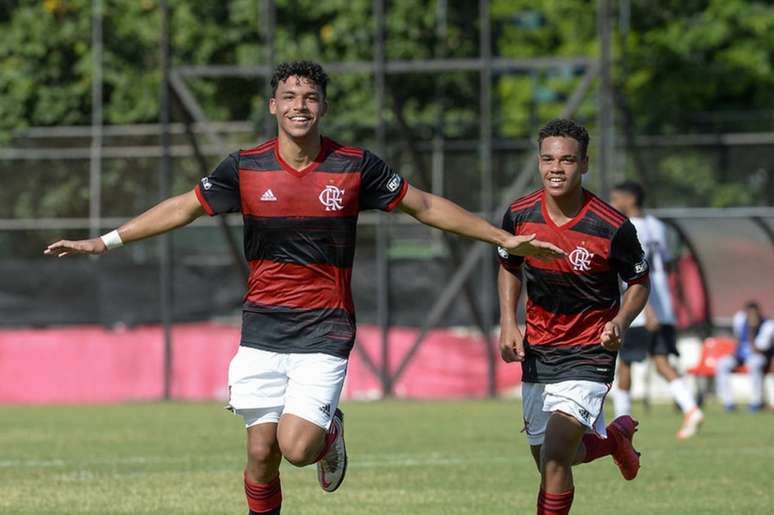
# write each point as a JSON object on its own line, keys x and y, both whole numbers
{"x": 554, "y": 504}
{"x": 682, "y": 395}
{"x": 769, "y": 381}
{"x": 622, "y": 402}
{"x": 330, "y": 437}
{"x": 264, "y": 498}
{"x": 597, "y": 447}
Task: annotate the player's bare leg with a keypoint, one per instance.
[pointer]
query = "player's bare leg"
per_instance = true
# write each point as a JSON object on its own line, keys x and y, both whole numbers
{"x": 558, "y": 453}
{"x": 536, "y": 453}
{"x": 303, "y": 443}
{"x": 580, "y": 454}
{"x": 665, "y": 368}
{"x": 692, "y": 414}
{"x": 262, "y": 483}
{"x": 563, "y": 437}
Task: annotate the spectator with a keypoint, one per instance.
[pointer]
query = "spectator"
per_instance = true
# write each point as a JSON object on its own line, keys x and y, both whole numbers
{"x": 753, "y": 333}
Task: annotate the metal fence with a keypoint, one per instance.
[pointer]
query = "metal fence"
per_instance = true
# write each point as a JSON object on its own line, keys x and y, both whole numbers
{"x": 109, "y": 173}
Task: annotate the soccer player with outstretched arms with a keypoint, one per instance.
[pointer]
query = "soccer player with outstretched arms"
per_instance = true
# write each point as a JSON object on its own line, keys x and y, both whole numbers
{"x": 300, "y": 195}
{"x": 575, "y": 316}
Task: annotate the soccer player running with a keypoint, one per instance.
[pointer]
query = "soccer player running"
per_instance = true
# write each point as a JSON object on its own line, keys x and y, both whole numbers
{"x": 300, "y": 195}
{"x": 653, "y": 331}
{"x": 575, "y": 316}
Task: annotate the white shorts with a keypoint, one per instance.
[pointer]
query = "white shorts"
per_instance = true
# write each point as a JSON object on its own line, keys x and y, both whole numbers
{"x": 264, "y": 385}
{"x": 582, "y": 400}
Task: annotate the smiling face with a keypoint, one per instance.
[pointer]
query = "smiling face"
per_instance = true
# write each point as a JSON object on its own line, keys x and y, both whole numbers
{"x": 561, "y": 165}
{"x": 298, "y": 104}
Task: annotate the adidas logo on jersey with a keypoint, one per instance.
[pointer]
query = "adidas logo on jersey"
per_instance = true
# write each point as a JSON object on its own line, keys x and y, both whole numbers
{"x": 268, "y": 196}
{"x": 326, "y": 409}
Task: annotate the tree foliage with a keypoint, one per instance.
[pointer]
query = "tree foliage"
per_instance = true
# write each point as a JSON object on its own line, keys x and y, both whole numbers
{"x": 682, "y": 65}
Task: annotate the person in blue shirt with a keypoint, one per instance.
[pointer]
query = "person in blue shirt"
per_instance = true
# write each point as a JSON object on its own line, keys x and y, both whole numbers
{"x": 750, "y": 351}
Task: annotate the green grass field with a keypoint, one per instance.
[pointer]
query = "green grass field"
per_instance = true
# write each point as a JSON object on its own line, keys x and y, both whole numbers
{"x": 405, "y": 458}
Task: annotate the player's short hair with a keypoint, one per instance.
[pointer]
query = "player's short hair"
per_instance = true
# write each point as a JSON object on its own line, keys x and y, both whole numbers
{"x": 568, "y": 129}
{"x": 634, "y": 189}
{"x": 306, "y": 69}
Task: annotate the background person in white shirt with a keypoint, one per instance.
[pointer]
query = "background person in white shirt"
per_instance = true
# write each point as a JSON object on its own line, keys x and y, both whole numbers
{"x": 753, "y": 349}
{"x": 653, "y": 332}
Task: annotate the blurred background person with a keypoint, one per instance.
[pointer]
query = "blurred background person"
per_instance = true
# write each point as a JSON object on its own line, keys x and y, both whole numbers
{"x": 653, "y": 332}
{"x": 753, "y": 350}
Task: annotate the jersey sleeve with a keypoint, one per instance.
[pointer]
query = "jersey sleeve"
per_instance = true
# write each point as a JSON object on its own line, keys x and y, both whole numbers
{"x": 219, "y": 192}
{"x": 508, "y": 261}
{"x": 765, "y": 338}
{"x": 381, "y": 187}
{"x": 626, "y": 255}
{"x": 663, "y": 241}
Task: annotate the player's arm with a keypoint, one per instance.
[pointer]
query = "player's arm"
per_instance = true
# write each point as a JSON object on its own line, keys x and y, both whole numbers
{"x": 511, "y": 338}
{"x": 765, "y": 338}
{"x": 444, "y": 214}
{"x": 634, "y": 300}
{"x": 628, "y": 260}
{"x": 169, "y": 214}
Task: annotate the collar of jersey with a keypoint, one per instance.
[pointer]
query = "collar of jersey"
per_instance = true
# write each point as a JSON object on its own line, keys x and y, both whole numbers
{"x": 308, "y": 168}
{"x": 572, "y": 221}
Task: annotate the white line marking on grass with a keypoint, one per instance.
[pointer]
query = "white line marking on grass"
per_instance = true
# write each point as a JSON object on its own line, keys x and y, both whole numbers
{"x": 356, "y": 460}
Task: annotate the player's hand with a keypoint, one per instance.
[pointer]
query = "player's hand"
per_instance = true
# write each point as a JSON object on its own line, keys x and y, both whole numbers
{"x": 611, "y": 336}
{"x": 529, "y": 246}
{"x": 511, "y": 343}
{"x": 64, "y": 248}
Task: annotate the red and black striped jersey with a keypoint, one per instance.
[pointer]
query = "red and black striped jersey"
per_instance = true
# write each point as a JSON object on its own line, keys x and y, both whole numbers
{"x": 299, "y": 239}
{"x": 569, "y": 300}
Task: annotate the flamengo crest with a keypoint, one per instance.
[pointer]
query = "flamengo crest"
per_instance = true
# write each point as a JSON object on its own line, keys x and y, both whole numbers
{"x": 580, "y": 259}
{"x": 332, "y": 198}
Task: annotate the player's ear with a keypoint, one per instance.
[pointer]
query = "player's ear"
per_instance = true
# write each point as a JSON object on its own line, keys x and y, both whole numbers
{"x": 584, "y": 164}
{"x": 273, "y": 106}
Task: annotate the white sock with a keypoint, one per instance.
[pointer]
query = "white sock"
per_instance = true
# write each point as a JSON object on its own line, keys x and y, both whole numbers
{"x": 769, "y": 381}
{"x": 682, "y": 395}
{"x": 622, "y": 402}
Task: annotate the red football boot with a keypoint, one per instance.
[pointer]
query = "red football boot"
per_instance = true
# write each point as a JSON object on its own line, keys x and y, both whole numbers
{"x": 625, "y": 456}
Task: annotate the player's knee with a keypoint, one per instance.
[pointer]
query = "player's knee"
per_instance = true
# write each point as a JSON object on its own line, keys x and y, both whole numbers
{"x": 756, "y": 362}
{"x": 557, "y": 455}
{"x": 299, "y": 453}
{"x": 261, "y": 453}
{"x": 555, "y": 466}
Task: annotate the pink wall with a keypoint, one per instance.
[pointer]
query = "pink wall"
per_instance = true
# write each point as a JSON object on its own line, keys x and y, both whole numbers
{"x": 87, "y": 364}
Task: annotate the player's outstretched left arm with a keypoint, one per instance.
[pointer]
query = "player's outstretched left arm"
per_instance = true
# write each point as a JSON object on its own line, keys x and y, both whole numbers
{"x": 169, "y": 214}
{"x": 446, "y": 215}
{"x": 634, "y": 300}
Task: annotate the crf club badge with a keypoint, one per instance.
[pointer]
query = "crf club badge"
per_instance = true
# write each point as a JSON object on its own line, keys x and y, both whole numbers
{"x": 580, "y": 258}
{"x": 332, "y": 198}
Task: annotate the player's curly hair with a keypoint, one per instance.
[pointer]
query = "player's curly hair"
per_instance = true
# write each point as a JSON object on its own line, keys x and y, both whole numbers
{"x": 306, "y": 69}
{"x": 568, "y": 129}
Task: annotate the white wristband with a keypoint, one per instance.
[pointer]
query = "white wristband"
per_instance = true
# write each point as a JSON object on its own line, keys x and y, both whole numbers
{"x": 112, "y": 240}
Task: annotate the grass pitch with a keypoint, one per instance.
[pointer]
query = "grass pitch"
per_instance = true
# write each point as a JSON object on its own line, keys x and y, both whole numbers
{"x": 405, "y": 458}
